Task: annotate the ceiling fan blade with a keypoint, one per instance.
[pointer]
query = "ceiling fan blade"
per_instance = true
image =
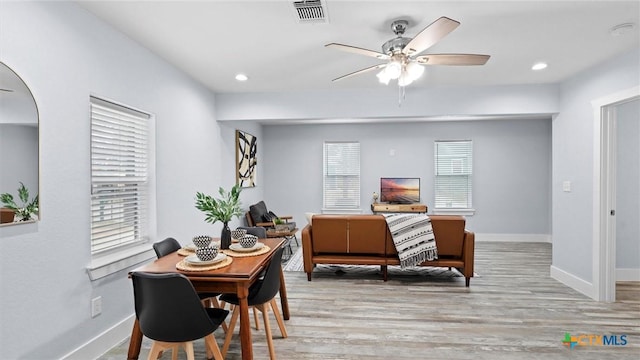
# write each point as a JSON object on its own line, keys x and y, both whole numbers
{"x": 361, "y": 71}
{"x": 430, "y": 35}
{"x": 357, "y": 50}
{"x": 453, "y": 59}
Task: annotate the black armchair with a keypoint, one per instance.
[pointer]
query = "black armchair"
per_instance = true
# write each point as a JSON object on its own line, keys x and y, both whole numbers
{"x": 169, "y": 312}
{"x": 259, "y": 215}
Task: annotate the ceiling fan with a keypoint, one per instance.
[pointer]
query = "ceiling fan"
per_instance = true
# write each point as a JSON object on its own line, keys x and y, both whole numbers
{"x": 402, "y": 54}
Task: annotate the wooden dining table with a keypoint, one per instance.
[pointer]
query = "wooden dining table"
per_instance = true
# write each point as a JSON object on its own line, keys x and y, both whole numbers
{"x": 235, "y": 278}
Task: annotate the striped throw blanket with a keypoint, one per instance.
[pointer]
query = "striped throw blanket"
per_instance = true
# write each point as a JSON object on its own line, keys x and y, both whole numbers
{"x": 413, "y": 236}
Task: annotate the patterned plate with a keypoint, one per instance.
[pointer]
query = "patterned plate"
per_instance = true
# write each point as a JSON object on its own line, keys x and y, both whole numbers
{"x": 193, "y": 260}
{"x": 239, "y": 248}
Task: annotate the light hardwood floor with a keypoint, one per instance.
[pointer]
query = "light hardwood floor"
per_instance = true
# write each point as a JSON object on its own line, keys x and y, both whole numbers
{"x": 513, "y": 310}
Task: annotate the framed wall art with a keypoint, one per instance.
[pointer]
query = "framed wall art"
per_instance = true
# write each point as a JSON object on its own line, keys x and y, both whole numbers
{"x": 246, "y": 160}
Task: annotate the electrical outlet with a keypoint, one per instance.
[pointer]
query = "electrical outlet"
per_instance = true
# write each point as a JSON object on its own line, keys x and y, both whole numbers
{"x": 96, "y": 306}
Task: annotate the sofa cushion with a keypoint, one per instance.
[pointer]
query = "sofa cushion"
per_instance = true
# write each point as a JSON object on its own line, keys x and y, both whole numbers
{"x": 449, "y": 233}
{"x": 356, "y": 234}
{"x": 330, "y": 234}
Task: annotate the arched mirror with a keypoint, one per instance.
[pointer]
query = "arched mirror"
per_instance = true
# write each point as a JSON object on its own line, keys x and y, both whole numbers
{"x": 19, "y": 159}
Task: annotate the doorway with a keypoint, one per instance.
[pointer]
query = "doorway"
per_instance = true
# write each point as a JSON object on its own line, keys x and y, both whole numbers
{"x": 604, "y": 244}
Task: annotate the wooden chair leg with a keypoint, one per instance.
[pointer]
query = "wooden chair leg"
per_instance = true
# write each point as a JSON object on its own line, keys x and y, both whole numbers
{"x": 255, "y": 318}
{"x": 276, "y": 313}
{"x": 174, "y": 352}
{"x": 267, "y": 328}
{"x": 232, "y": 326}
{"x": 212, "y": 346}
{"x": 155, "y": 351}
{"x": 158, "y": 347}
{"x": 188, "y": 348}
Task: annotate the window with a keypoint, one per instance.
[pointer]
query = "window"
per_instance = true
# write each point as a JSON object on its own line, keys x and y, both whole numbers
{"x": 453, "y": 162}
{"x": 341, "y": 175}
{"x": 119, "y": 176}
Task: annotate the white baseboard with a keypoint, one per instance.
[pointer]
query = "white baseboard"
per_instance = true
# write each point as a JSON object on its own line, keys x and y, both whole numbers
{"x": 627, "y": 274}
{"x": 102, "y": 343}
{"x": 573, "y": 282}
{"x": 545, "y": 238}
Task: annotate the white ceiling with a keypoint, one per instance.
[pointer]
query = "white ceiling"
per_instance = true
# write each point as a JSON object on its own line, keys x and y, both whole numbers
{"x": 214, "y": 40}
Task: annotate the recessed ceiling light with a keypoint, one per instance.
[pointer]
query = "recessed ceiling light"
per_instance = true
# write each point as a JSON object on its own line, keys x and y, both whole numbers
{"x": 539, "y": 66}
{"x": 622, "y": 29}
{"x": 242, "y": 77}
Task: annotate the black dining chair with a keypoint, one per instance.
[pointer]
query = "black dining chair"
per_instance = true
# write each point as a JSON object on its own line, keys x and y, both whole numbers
{"x": 258, "y": 231}
{"x": 169, "y": 312}
{"x": 169, "y": 245}
{"x": 261, "y": 295}
{"x": 166, "y": 246}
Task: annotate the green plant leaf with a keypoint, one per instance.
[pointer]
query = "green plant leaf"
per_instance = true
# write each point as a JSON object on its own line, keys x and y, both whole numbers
{"x": 222, "y": 209}
{"x": 26, "y": 209}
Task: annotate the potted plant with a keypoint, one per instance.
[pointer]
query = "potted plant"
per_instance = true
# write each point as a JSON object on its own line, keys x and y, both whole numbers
{"x": 223, "y": 209}
{"x": 280, "y": 225}
{"x": 27, "y": 209}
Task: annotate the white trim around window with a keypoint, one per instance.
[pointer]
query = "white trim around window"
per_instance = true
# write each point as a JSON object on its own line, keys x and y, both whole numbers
{"x": 123, "y": 216}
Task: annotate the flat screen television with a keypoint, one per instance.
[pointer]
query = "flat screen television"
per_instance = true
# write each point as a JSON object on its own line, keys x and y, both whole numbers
{"x": 400, "y": 190}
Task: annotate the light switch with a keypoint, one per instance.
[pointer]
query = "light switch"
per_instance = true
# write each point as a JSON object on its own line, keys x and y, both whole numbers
{"x": 392, "y": 152}
{"x": 566, "y": 186}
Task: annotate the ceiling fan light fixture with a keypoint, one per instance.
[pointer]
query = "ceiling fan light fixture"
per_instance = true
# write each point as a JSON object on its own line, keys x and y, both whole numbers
{"x": 383, "y": 77}
{"x": 242, "y": 77}
{"x": 393, "y": 69}
{"x": 404, "y": 79}
{"x": 415, "y": 70}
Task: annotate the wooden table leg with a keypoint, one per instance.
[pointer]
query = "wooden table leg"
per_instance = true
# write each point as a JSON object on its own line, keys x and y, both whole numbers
{"x": 245, "y": 323}
{"x": 135, "y": 342}
{"x": 284, "y": 302}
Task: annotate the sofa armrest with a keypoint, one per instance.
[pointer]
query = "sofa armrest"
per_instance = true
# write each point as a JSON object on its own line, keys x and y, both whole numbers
{"x": 468, "y": 250}
{"x": 307, "y": 249}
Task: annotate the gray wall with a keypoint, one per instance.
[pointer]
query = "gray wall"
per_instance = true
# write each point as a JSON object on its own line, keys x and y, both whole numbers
{"x": 628, "y": 186}
{"x": 573, "y": 160}
{"x": 511, "y": 164}
{"x": 65, "y": 55}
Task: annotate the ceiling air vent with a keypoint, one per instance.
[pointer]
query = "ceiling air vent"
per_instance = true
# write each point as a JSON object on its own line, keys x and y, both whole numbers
{"x": 310, "y": 11}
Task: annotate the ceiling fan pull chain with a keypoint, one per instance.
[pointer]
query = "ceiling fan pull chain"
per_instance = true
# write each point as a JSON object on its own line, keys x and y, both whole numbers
{"x": 401, "y": 95}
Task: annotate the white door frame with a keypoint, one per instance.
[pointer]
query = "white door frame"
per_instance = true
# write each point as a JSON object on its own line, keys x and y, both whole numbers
{"x": 604, "y": 240}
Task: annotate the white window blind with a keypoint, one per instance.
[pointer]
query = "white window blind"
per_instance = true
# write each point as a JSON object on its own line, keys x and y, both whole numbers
{"x": 119, "y": 176}
{"x": 341, "y": 175}
{"x": 453, "y": 161}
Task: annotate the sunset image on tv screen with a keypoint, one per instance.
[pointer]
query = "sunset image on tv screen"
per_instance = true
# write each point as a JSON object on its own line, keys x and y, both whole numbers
{"x": 400, "y": 190}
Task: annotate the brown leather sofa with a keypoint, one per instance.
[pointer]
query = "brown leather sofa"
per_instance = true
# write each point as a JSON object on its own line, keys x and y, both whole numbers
{"x": 365, "y": 240}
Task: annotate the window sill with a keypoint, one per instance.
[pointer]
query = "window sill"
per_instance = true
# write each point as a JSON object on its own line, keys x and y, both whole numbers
{"x": 447, "y": 211}
{"x": 105, "y": 265}
{"x": 341, "y": 211}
